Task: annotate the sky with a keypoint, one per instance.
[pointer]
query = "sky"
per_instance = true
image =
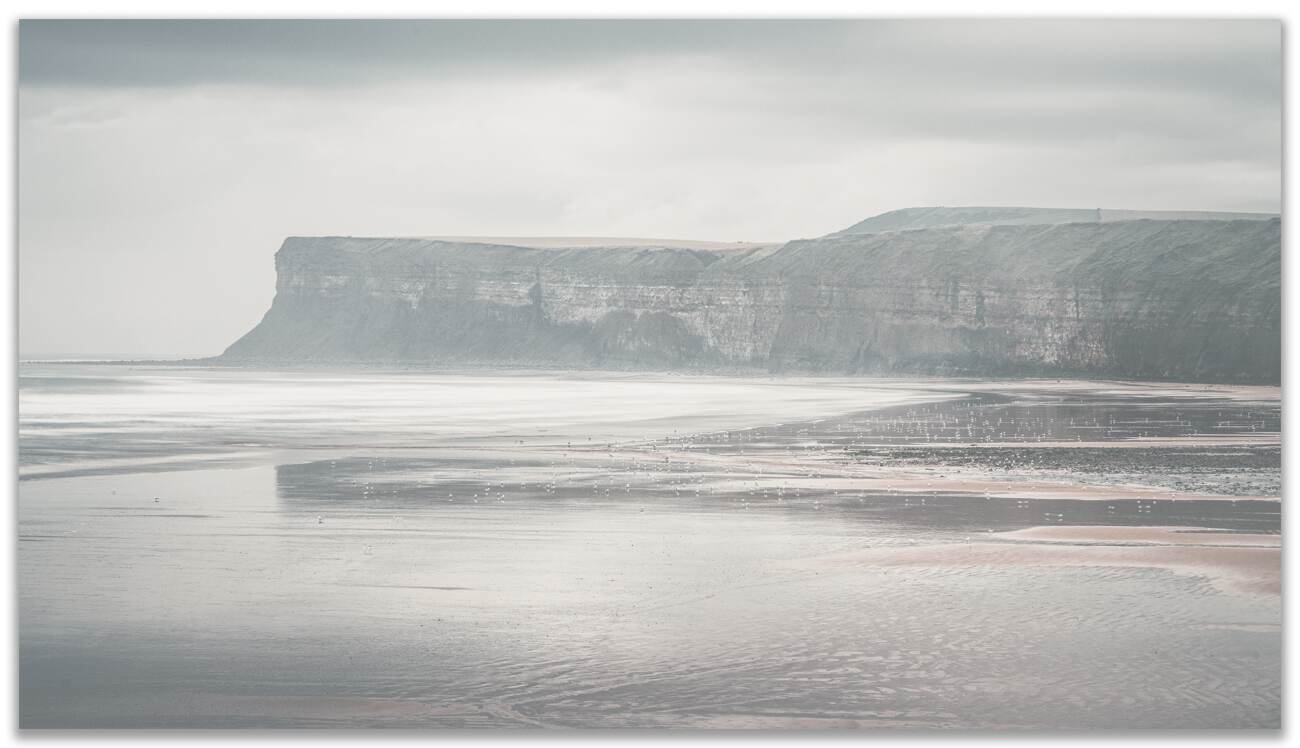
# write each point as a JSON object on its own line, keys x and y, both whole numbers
{"x": 162, "y": 163}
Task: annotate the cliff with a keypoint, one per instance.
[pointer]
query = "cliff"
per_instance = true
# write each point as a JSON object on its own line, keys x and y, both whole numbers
{"x": 924, "y": 218}
{"x": 1196, "y": 300}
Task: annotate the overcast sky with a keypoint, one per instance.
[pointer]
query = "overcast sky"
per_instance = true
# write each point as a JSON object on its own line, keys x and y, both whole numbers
{"x": 162, "y": 163}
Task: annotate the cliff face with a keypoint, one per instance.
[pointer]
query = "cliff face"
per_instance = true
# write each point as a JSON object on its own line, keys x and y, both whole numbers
{"x": 1161, "y": 299}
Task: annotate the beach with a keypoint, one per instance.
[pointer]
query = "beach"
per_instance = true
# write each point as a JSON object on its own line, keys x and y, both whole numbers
{"x": 304, "y": 548}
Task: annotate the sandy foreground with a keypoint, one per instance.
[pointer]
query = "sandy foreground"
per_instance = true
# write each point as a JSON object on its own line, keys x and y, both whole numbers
{"x": 635, "y": 551}
{"x": 1231, "y": 562}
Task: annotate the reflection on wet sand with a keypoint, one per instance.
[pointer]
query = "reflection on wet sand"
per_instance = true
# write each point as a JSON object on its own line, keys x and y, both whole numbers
{"x": 963, "y": 562}
{"x": 1236, "y": 562}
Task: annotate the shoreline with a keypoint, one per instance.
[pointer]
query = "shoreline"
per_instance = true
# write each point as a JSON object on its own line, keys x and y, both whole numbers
{"x": 1034, "y": 379}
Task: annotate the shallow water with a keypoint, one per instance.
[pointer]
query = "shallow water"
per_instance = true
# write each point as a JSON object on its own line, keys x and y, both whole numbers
{"x": 204, "y": 548}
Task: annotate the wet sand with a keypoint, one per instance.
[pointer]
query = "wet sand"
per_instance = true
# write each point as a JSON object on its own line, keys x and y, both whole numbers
{"x": 1236, "y": 562}
{"x": 1177, "y": 536}
{"x": 529, "y": 550}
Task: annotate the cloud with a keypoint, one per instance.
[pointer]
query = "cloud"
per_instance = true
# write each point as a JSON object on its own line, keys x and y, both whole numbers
{"x": 326, "y": 53}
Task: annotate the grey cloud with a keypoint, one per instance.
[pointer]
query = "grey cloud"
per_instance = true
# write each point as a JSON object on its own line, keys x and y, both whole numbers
{"x": 334, "y": 53}
{"x": 1232, "y": 57}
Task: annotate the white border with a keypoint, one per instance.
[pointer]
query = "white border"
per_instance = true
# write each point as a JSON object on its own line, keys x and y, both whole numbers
{"x": 589, "y": 8}
{"x": 643, "y": 9}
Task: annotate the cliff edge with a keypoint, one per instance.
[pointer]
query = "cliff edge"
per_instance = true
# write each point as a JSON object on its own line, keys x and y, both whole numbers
{"x": 1195, "y": 298}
